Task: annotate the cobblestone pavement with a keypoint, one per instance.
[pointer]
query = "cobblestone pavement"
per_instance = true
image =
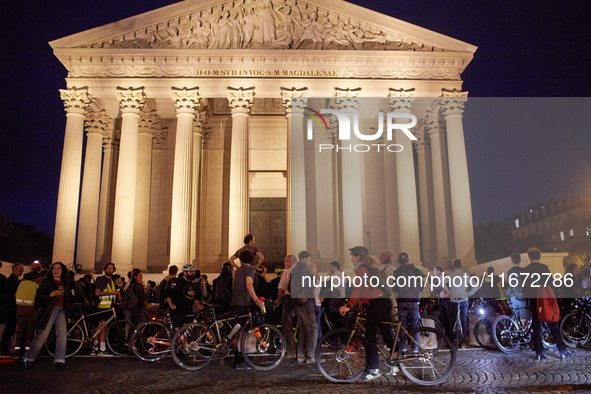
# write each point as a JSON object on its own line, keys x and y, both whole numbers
{"x": 476, "y": 371}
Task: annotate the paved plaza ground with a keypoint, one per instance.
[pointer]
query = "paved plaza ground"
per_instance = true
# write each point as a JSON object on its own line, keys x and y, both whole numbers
{"x": 476, "y": 371}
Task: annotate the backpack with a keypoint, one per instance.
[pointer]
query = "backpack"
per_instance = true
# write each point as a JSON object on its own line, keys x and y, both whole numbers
{"x": 129, "y": 299}
{"x": 547, "y": 306}
{"x": 382, "y": 283}
{"x": 223, "y": 289}
{"x": 25, "y": 293}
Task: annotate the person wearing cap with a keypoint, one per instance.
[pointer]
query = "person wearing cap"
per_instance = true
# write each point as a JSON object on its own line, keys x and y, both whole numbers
{"x": 248, "y": 245}
{"x": 378, "y": 306}
{"x": 409, "y": 296}
{"x": 183, "y": 295}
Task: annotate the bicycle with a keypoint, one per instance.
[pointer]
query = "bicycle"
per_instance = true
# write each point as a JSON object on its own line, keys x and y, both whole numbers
{"x": 488, "y": 310}
{"x": 79, "y": 334}
{"x": 195, "y": 345}
{"x": 151, "y": 340}
{"x": 575, "y": 326}
{"x": 509, "y": 333}
{"x": 340, "y": 354}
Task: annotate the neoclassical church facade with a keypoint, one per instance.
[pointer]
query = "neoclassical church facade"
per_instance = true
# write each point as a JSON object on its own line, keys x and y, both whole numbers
{"x": 192, "y": 118}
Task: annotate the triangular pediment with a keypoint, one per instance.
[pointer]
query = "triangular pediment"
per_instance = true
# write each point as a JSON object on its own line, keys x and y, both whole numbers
{"x": 265, "y": 24}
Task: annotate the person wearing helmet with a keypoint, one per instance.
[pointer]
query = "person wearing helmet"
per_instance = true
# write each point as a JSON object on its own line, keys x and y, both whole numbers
{"x": 183, "y": 296}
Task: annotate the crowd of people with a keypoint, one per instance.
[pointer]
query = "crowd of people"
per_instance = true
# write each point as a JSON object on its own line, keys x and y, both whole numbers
{"x": 31, "y": 307}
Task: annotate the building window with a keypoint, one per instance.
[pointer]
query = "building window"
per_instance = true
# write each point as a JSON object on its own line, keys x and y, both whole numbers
{"x": 562, "y": 235}
{"x": 571, "y": 233}
{"x": 516, "y": 223}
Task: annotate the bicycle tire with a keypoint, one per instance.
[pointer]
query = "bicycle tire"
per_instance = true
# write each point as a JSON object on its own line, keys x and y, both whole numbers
{"x": 340, "y": 357}
{"x": 263, "y": 350}
{"x": 504, "y": 332}
{"x": 193, "y": 346}
{"x": 575, "y": 328}
{"x": 118, "y": 334}
{"x": 547, "y": 340}
{"x": 151, "y": 341}
{"x": 483, "y": 333}
{"x": 432, "y": 361}
{"x": 74, "y": 341}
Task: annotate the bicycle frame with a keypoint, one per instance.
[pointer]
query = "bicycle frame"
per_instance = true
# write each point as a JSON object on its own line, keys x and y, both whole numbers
{"x": 84, "y": 327}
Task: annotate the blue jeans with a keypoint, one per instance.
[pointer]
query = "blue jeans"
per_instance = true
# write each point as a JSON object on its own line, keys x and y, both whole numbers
{"x": 410, "y": 317}
{"x": 57, "y": 318}
{"x": 453, "y": 311}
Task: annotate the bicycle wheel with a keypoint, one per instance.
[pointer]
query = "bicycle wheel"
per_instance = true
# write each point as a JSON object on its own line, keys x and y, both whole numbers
{"x": 118, "y": 334}
{"x": 506, "y": 334}
{"x": 193, "y": 346}
{"x": 73, "y": 344}
{"x": 430, "y": 357}
{"x": 547, "y": 339}
{"x": 483, "y": 333}
{"x": 263, "y": 347}
{"x": 340, "y": 356}
{"x": 575, "y": 328}
{"x": 150, "y": 341}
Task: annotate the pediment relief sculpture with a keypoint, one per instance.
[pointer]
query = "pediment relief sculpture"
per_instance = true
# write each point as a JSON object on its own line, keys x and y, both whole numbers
{"x": 279, "y": 24}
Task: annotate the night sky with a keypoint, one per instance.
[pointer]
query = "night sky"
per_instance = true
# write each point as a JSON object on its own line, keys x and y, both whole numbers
{"x": 535, "y": 150}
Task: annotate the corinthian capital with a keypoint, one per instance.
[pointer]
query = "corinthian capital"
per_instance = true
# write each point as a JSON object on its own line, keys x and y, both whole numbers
{"x": 76, "y": 100}
{"x": 160, "y": 137}
{"x": 186, "y": 100}
{"x": 347, "y": 99}
{"x": 400, "y": 100}
{"x": 292, "y": 99}
{"x": 240, "y": 99}
{"x": 149, "y": 122}
{"x": 201, "y": 122}
{"x": 131, "y": 100}
{"x": 432, "y": 123}
{"x": 453, "y": 101}
{"x": 98, "y": 122}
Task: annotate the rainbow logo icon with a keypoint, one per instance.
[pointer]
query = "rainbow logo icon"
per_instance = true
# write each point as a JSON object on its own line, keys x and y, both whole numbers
{"x": 317, "y": 117}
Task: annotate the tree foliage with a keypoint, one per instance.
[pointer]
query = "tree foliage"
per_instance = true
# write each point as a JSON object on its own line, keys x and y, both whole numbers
{"x": 23, "y": 243}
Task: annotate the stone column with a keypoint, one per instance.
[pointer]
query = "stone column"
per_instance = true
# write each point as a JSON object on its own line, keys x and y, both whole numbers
{"x": 200, "y": 126}
{"x": 186, "y": 102}
{"x": 296, "y": 180}
{"x": 423, "y": 153}
{"x": 96, "y": 126}
{"x": 408, "y": 218}
{"x": 452, "y": 104}
{"x": 149, "y": 122}
{"x": 104, "y": 239}
{"x": 76, "y": 102}
{"x": 352, "y": 185}
{"x": 441, "y": 253}
{"x": 131, "y": 102}
{"x": 240, "y": 101}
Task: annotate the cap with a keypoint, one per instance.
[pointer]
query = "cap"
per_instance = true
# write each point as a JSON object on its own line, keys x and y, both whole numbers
{"x": 403, "y": 258}
{"x": 36, "y": 266}
{"x": 188, "y": 267}
{"x": 385, "y": 255}
{"x": 359, "y": 251}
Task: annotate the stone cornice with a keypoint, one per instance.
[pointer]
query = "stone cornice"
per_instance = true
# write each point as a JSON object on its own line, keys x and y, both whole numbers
{"x": 249, "y": 63}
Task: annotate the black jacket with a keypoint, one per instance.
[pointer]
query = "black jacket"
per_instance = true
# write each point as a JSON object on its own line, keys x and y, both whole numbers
{"x": 44, "y": 302}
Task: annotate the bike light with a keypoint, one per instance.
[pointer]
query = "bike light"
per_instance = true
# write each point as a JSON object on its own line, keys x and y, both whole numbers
{"x": 481, "y": 311}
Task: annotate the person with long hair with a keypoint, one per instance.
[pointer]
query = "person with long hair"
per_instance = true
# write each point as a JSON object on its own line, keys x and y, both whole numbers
{"x": 136, "y": 296}
{"x": 52, "y": 300}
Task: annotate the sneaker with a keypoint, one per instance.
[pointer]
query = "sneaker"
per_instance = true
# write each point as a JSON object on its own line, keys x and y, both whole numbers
{"x": 61, "y": 366}
{"x": 301, "y": 360}
{"x": 567, "y": 354}
{"x": 94, "y": 351}
{"x": 311, "y": 360}
{"x": 102, "y": 353}
{"x": 28, "y": 364}
{"x": 394, "y": 370}
{"x": 541, "y": 357}
{"x": 371, "y": 375}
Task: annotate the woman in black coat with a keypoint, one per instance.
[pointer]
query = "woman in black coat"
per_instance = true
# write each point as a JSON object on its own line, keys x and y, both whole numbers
{"x": 52, "y": 300}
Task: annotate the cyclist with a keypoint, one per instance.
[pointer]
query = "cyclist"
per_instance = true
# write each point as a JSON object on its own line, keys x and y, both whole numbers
{"x": 378, "y": 306}
{"x": 409, "y": 296}
{"x": 515, "y": 293}
{"x": 182, "y": 295}
{"x": 53, "y": 298}
{"x": 108, "y": 295}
